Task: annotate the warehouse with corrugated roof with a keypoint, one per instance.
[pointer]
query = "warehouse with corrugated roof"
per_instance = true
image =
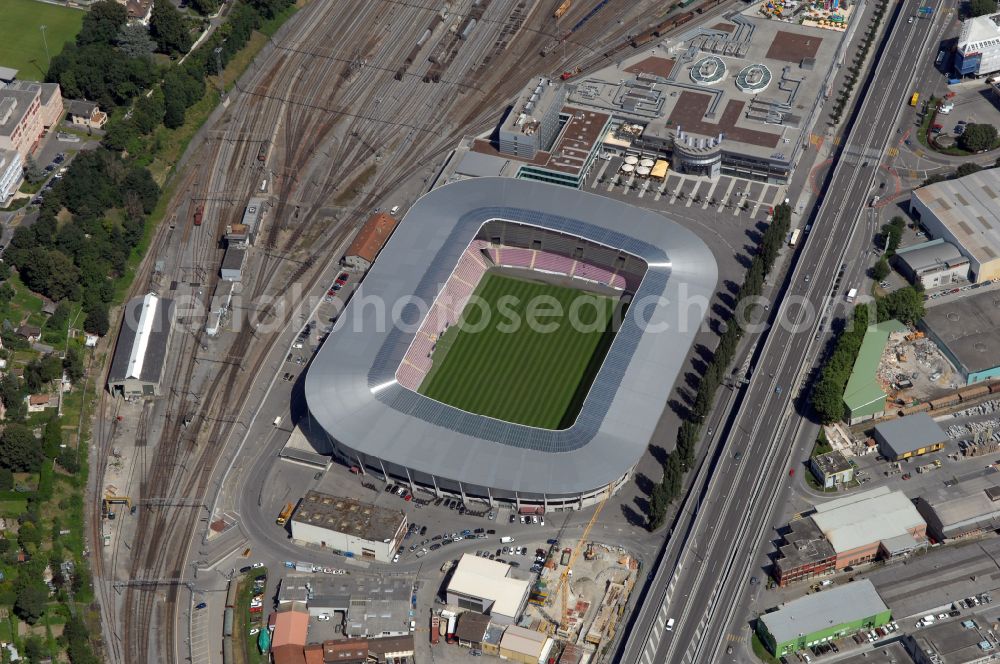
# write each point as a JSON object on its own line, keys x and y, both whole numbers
{"x": 141, "y": 351}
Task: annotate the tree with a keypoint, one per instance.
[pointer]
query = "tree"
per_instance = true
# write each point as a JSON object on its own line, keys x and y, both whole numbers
{"x": 6, "y": 479}
{"x": 68, "y": 460}
{"x": 168, "y": 30}
{"x": 658, "y": 503}
{"x": 103, "y": 23}
{"x": 97, "y": 320}
{"x": 33, "y": 173}
{"x": 967, "y": 168}
{"x": 133, "y": 41}
{"x": 982, "y": 7}
{"x": 905, "y": 304}
{"x": 73, "y": 364}
{"x": 205, "y": 7}
{"x": 881, "y": 269}
{"x": 20, "y": 451}
{"x": 149, "y": 111}
{"x": 978, "y": 137}
{"x": 32, "y": 596}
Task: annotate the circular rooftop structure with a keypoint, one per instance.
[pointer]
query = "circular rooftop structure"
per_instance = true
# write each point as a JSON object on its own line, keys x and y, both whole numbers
{"x": 708, "y": 71}
{"x": 356, "y": 398}
{"x": 753, "y": 78}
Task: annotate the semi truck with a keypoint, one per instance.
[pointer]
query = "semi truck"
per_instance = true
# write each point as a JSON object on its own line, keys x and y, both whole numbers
{"x": 449, "y": 636}
{"x": 284, "y": 514}
{"x": 435, "y": 629}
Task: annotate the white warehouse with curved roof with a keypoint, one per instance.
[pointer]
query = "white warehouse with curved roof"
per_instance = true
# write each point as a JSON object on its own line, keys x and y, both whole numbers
{"x": 374, "y": 419}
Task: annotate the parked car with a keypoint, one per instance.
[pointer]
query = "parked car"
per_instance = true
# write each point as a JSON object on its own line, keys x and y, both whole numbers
{"x": 202, "y": 605}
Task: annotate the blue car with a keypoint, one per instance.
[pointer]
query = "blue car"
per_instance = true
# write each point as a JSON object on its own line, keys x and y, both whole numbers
{"x": 203, "y": 605}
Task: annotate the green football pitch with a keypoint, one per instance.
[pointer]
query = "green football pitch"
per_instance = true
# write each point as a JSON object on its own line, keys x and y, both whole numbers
{"x": 518, "y": 372}
{"x": 21, "y": 40}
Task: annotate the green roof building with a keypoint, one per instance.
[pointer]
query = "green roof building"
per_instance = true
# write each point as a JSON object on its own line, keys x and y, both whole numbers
{"x": 864, "y": 396}
{"x": 822, "y": 617}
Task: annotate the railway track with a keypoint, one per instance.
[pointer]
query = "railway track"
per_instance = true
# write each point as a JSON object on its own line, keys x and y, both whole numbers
{"x": 326, "y": 131}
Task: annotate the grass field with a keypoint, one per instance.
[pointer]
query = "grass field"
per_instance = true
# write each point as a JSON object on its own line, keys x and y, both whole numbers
{"x": 522, "y": 375}
{"x": 21, "y": 45}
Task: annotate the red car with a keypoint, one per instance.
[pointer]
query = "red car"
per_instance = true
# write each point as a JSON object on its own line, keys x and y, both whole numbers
{"x": 791, "y": 472}
{"x": 343, "y": 278}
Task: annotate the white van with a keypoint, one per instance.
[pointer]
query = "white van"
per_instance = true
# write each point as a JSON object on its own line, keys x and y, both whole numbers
{"x": 506, "y": 540}
{"x": 394, "y": 211}
{"x": 670, "y": 625}
{"x": 277, "y": 421}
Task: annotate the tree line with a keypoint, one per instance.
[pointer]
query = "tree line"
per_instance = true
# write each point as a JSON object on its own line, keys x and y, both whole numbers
{"x": 682, "y": 458}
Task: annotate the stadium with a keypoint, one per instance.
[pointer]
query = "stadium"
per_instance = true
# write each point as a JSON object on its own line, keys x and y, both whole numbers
{"x": 514, "y": 342}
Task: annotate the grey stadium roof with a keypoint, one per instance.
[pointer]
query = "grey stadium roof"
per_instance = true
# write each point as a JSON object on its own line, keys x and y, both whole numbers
{"x": 351, "y": 389}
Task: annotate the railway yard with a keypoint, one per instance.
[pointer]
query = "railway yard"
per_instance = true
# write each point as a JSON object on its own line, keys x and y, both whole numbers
{"x": 343, "y": 114}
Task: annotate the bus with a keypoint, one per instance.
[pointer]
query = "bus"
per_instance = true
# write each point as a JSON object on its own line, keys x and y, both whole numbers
{"x": 851, "y": 294}
{"x": 793, "y": 237}
{"x": 914, "y": 98}
{"x": 285, "y": 513}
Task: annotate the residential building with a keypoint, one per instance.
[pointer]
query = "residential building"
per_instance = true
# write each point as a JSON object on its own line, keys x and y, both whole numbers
{"x": 965, "y": 508}
{"x": 804, "y": 553}
{"x": 141, "y": 351}
{"x": 391, "y": 649}
{"x": 139, "y": 11}
{"x": 822, "y": 617}
{"x": 978, "y": 50}
{"x": 11, "y": 174}
{"x": 20, "y": 120}
{"x": 909, "y": 436}
{"x": 369, "y": 241}
{"x": 346, "y": 651}
{"x": 30, "y": 332}
{"x": 471, "y": 628}
{"x": 526, "y": 646}
{"x": 932, "y": 264}
{"x": 831, "y": 469}
{"x": 350, "y": 526}
{"x": 967, "y": 330}
{"x": 870, "y": 525}
{"x": 37, "y": 403}
{"x": 864, "y": 397}
{"x": 489, "y": 587}
{"x": 50, "y": 103}
{"x": 85, "y": 113}
{"x": 965, "y": 213}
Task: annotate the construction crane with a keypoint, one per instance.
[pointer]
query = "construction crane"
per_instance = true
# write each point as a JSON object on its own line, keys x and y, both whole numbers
{"x": 563, "y": 589}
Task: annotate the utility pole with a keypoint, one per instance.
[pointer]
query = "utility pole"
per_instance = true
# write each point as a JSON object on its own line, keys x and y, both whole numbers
{"x": 46, "y": 43}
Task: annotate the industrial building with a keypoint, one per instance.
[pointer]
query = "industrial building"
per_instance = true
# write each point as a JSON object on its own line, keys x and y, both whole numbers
{"x": 804, "y": 553}
{"x": 350, "y": 526}
{"x": 909, "y": 436}
{"x": 864, "y": 396}
{"x": 141, "y": 351}
{"x": 360, "y": 605}
{"x": 369, "y": 241}
{"x": 822, "y": 617}
{"x": 232, "y": 263}
{"x": 967, "y": 330}
{"x": 965, "y": 508}
{"x": 488, "y": 587}
{"x": 932, "y": 264}
{"x": 362, "y": 388}
{"x": 471, "y": 629}
{"x": 978, "y": 50}
{"x": 831, "y": 469}
{"x": 244, "y": 233}
{"x": 291, "y": 626}
{"x": 526, "y": 646}
{"x": 966, "y": 641}
{"x": 966, "y": 213}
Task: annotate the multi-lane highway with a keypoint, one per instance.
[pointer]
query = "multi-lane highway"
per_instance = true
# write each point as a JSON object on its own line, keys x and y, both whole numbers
{"x": 707, "y": 572}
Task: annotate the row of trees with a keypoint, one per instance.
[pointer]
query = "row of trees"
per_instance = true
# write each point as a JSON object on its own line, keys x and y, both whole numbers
{"x": 854, "y": 71}
{"x": 183, "y": 86}
{"x": 682, "y": 458}
{"x": 891, "y": 236}
{"x": 79, "y": 260}
{"x": 827, "y": 396}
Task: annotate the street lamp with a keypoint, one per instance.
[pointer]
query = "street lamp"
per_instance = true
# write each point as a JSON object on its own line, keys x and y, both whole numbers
{"x": 46, "y": 43}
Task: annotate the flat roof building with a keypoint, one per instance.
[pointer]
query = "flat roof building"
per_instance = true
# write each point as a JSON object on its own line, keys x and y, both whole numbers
{"x": 909, "y": 436}
{"x": 348, "y": 525}
{"x": 533, "y": 121}
{"x": 11, "y": 174}
{"x": 864, "y": 396}
{"x": 932, "y": 264}
{"x": 526, "y": 646}
{"x": 966, "y": 213}
{"x": 369, "y": 241}
{"x": 141, "y": 351}
{"x": 978, "y": 50}
{"x": 489, "y": 587}
{"x": 967, "y": 330}
{"x": 831, "y": 469}
{"x": 471, "y": 628}
{"x": 366, "y": 605}
{"x": 232, "y": 263}
{"x": 954, "y": 642}
{"x": 964, "y": 508}
{"x": 822, "y": 617}
{"x": 805, "y": 553}
{"x": 857, "y": 525}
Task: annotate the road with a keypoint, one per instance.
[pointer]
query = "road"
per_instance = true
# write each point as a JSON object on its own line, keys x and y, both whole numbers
{"x": 705, "y": 577}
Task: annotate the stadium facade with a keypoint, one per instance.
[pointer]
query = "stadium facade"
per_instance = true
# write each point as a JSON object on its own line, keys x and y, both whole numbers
{"x": 361, "y": 390}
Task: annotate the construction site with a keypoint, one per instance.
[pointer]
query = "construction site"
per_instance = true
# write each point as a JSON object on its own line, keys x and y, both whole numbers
{"x": 580, "y": 598}
{"x": 913, "y": 369}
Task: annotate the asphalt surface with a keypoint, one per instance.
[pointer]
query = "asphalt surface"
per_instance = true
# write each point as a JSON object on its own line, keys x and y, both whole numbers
{"x": 705, "y": 576}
